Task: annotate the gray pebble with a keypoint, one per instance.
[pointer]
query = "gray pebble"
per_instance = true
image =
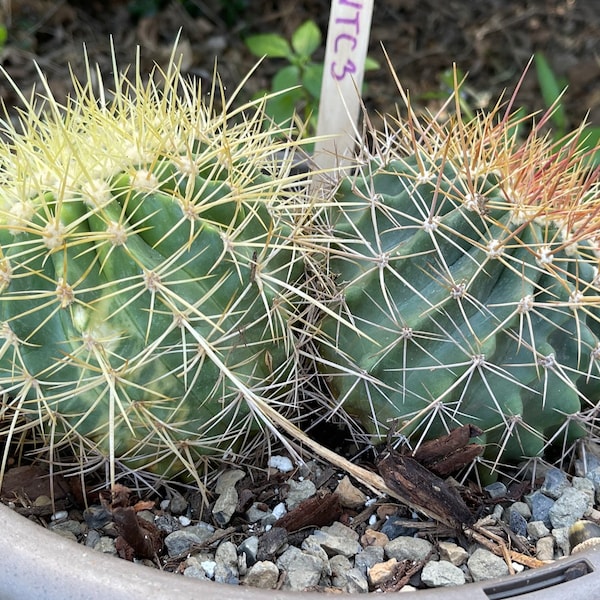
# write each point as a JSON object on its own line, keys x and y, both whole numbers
{"x": 106, "y": 545}
{"x": 299, "y": 491}
{"x": 584, "y": 465}
{"x": 583, "y": 484}
{"x": 302, "y": 570}
{"x": 369, "y": 556}
{"x": 408, "y": 548}
{"x": 146, "y": 515}
{"x": 441, "y": 573}
{"x": 561, "y": 539}
{"x": 249, "y": 547}
{"x": 228, "y": 479}
{"x": 337, "y": 539}
{"x": 264, "y": 574}
{"x": 309, "y": 546}
{"x": 92, "y": 537}
{"x": 180, "y": 542}
{"x": 570, "y": 507}
{"x": 67, "y": 528}
{"x": 517, "y": 522}
{"x": 195, "y": 572}
{"x": 394, "y": 527}
{"x": 96, "y": 516}
{"x": 540, "y": 506}
{"x": 339, "y": 566}
{"x": 225, "y": 506}
{"x": 194, "y": 568}
{"x": 555, "y": 483}
{"x": 59, "y": 515}
{"x": 495, "y": 490}
{"x": 356, "y": 582}
{"x": 483, "y": 565}
{"x": 594, "y": 477}
{"x": 226, "y": 564}
{"x": 167, "y": 523}
{"x": 208, "y": 566}
{"x": 255, "y": 514}
{"x": 178, "y": 504}
{"x": 270, "y": 543}
{"x": 498, "y": 512}
{"x": 537, "y": 529}
{"x": 523, "y": 509}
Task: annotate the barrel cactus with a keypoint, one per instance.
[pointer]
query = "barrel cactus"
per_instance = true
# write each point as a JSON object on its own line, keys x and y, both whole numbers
{"x": 147, "y": 275}
{"x": 464, "y": 286}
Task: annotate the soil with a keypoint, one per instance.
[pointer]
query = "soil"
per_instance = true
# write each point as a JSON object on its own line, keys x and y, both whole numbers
{"x": 491, "y": 40}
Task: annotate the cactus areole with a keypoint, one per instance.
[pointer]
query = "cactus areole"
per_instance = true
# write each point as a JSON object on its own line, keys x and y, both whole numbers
{"x": 465, "y": 279}
{"x": 146, "y": 275}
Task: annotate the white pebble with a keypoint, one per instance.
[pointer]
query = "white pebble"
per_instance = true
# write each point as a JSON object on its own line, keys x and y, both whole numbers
{"x": 183, "y": 520}
{"x": 59, "y": 515}
{"x": 281, "y": 463}
{"x": 279, "y": 510}
{"x": 209, "y": 567}
{"x": 372, "y": 519}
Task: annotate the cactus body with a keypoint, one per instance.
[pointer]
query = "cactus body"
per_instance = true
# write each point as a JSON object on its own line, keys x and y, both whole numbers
{"x": 147, "y": 277}
{"x": 466, "y": 288}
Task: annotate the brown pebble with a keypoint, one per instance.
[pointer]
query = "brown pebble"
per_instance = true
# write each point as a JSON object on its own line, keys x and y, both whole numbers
{"x": 381, "y": 572}
{"x": 544, "y": 548}
{"x": 374, "y": 538}
{"x": 349, "y": 495}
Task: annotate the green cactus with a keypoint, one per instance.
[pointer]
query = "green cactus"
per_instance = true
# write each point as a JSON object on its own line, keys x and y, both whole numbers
{"x": 147, "y": 276}
{"x": 169, "y": 290}
{"x": 464, "y": 278}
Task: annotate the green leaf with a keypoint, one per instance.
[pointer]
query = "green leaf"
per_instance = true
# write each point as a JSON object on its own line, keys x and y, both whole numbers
{"x": 591, "y": 143}
{"x": 269, "y": 44}
{"x": 286, "y": 78}
{"x": 551, "y": 91}
{"x": 371, "y": 64}
{"x": 313, "y": 79}
{"x": 306, "y": 39}
{"x": 282, "y": 108}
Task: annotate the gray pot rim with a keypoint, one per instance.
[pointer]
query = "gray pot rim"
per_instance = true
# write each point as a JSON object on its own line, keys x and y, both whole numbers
{"x": 37, "y": 563}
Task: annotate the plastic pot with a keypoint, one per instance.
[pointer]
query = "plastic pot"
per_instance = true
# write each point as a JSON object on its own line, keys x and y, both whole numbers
{"x": 37, "y": 563}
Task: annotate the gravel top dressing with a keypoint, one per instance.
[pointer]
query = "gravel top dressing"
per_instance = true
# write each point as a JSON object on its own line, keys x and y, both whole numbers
{"x": 311, "y": 528}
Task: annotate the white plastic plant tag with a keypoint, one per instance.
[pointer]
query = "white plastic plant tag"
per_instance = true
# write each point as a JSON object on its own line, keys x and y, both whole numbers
{"x": 345, "y": 54}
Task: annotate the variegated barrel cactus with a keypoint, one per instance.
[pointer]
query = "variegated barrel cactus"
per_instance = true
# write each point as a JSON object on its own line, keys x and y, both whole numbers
{"x": 148, "y": 274}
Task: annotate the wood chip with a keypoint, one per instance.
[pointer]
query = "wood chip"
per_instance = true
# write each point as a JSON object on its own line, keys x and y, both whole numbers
{"x": 422, "y": 489}
{"x": 317, "y": 511}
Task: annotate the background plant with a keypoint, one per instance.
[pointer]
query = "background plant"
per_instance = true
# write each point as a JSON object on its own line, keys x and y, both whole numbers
{"x": 295, "y": 87}
{"x": 552, "y": 88}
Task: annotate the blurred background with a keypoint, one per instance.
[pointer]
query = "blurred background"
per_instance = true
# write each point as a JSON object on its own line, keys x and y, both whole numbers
{"x": 491, "y": 40}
